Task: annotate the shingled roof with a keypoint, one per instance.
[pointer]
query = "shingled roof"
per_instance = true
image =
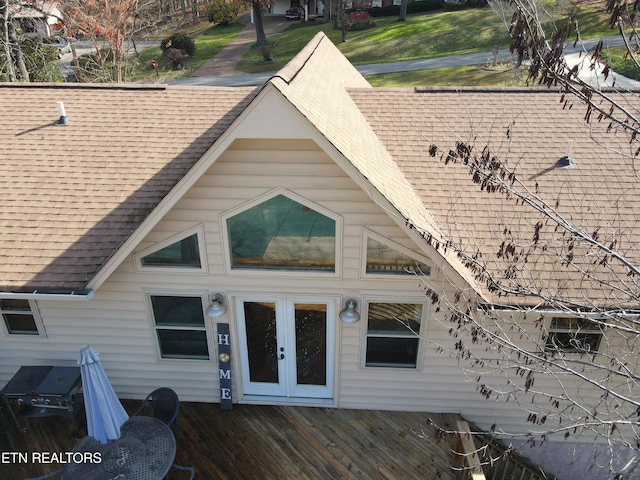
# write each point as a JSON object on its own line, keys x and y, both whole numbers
{"x": 73, "y": 195}
{"x": 530, "y": 130}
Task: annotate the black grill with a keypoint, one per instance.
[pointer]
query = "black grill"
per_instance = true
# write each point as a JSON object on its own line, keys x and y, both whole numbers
{"x": 41, "y": 391}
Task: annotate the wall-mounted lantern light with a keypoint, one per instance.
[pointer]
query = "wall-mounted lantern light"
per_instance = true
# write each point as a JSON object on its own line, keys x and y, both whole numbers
{"x": 350, "y": 314}
{"x": 217, "y": 307}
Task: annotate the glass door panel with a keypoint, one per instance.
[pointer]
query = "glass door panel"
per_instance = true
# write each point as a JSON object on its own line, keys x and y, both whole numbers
{"x": 311, "y": 343}
{"x": 261, "y": 341}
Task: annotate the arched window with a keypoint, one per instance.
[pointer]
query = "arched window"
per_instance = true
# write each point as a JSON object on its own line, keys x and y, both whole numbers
{"x": 282, "y": 232}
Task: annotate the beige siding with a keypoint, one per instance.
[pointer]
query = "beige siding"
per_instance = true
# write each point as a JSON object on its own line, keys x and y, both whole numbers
{"x": 117, "y": 321}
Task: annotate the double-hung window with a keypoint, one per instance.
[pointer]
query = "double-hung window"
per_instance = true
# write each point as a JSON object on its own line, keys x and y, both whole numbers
{"x": 393, "y": 334}
{"x": 573, "y": 335}
{"x": 180, "y": 327}
{"x": 20, "y": 316}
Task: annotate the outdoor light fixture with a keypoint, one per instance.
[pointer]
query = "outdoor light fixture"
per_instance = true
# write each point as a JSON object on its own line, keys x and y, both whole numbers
{"x": 217, "y": 307}
{"x": 350, "y": 314}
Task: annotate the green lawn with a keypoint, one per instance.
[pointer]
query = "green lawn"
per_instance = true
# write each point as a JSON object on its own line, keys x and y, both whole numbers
{"x": 423, "y": 35}
{"x": 618, "y": 59}
{"x": 208, "y": 43}
{"x": 474, "y": 76}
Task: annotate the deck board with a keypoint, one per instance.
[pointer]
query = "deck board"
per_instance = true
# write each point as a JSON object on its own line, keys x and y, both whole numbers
{"x": 253, "y": 442}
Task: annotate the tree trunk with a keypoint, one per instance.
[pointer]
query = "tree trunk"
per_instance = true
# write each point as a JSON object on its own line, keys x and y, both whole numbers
{"x": 4, "y": 8}
{"x": 194, "y": 11}
{"x": 261, "y": 38}
{"x": 16, "y": 52}
{"x": 403, "y": 11}
{"x": 343, "y": 19}
{"x": 183, "y": 7}
{"x": 327, "y": 10}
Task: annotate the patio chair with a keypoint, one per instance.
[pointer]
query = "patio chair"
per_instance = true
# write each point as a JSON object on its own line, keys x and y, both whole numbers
{"x": 164, "y": 403}
{"x": 191, "y": 470}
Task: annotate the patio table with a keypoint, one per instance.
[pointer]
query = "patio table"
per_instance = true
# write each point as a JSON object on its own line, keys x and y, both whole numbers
{"x": 145, "y": 451}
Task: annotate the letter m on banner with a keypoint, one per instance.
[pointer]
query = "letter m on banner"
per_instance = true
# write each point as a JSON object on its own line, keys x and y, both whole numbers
{"x": 224, "y": 366}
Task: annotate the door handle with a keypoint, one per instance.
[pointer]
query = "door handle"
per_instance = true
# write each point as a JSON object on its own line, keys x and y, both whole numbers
{"x": 281, "y": 356}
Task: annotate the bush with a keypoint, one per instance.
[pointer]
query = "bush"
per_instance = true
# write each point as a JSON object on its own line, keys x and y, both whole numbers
{"x": 179, "y": 41}
{"x": 360, "y": 20}
{"x": 223, "y": 12}
{"x": 172, "y": 58}
{"x": 97, "y": 66}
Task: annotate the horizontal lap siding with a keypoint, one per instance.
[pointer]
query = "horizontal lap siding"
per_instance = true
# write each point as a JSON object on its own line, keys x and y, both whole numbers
{"x": 117, "y": 321}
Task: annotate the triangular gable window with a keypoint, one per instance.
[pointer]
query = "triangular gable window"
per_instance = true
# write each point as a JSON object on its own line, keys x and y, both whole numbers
{"x": 184, "y": 251}
{"x": 383, "y": 259}
{"x": 281, "y": 233}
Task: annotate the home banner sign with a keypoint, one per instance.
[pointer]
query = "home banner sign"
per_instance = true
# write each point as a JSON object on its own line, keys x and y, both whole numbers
{"x": 224, "y": 365}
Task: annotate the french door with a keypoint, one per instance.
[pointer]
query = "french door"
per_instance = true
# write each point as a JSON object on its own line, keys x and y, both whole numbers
{"x": 286, "y": 346}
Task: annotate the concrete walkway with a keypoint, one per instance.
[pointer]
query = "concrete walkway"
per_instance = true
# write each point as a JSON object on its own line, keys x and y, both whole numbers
{"x": 220, "y": 70}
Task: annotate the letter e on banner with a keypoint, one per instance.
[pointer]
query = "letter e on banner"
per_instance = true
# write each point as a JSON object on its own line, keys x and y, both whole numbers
{"x": 224, "y": 366}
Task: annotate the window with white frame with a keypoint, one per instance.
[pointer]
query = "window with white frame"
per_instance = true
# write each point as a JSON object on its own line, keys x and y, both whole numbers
{"x": 20, "y": 316}
{"x": 180, "y": 327}
{"x": 184, "y": 251}
{"x": 384, "y": 257}
{"x": 282, "y": 232}
{"x": 573, "y": 335}
{"x": 393, "y": 334}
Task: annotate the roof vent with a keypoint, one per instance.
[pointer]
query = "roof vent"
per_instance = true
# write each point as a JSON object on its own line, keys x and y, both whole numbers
{"x": 62, "y": 121}
{"x": 565, "y": 161}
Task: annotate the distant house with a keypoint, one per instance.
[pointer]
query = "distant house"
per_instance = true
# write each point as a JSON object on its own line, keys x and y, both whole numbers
{"x": 286, "y": 212}
{"x": 37, "y": 18}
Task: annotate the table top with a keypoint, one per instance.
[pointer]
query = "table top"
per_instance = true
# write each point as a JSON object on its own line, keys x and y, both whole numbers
{"x": 43, "y": 380}
{"x": 145, "y": 451}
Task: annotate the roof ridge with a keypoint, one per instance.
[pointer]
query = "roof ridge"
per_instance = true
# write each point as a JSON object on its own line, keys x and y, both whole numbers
{"x": 492, "y": 89}
{"x": 290, "y": 71}
{"x": 86, "y": 86}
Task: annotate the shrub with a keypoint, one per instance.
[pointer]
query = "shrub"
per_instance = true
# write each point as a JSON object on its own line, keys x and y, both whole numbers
{"x": 360, "y": 20}
{"x": 179, "y": 41}
{"x": 97, "y": 67}
{"x": 265, "y": 53}
{"x": 223, "y": 12}
{"x": 172, "y": 58}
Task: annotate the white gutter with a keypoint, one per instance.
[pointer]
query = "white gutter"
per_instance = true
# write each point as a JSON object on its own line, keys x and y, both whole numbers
{"x": 42, "y": 295}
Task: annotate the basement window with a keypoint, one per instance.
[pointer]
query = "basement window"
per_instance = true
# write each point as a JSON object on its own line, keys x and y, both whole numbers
{"x": 573, "y": 335}
{"x": 20, "y": 316}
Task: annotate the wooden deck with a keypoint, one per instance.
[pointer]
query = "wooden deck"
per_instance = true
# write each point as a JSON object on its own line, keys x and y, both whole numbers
{"x": 265, "y": 442}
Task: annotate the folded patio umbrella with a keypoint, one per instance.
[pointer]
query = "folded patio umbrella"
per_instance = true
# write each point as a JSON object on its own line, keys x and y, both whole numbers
{"x": 105, "y": 413}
